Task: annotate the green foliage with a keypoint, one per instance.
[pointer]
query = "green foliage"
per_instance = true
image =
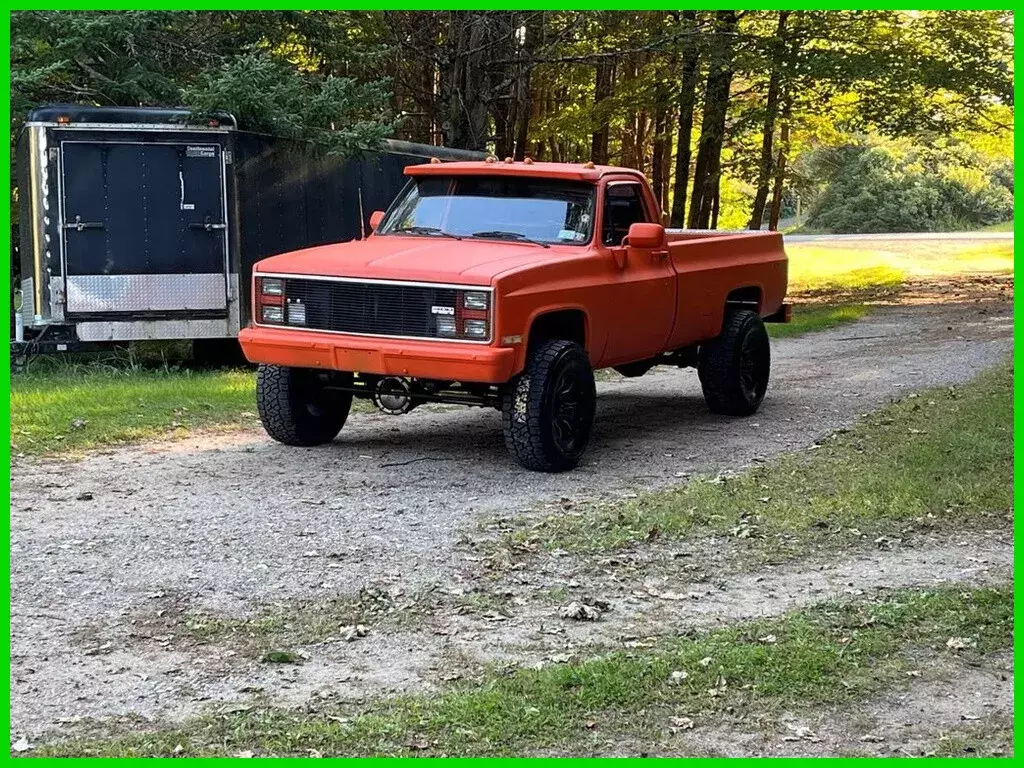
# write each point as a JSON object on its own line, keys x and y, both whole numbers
{"x": 271, "y": 96}
{"x": 276, "y": 71}
{"x": 885, "y": 186}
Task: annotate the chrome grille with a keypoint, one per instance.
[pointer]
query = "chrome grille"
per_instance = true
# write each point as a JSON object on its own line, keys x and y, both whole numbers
{"x": 378, "y": 309}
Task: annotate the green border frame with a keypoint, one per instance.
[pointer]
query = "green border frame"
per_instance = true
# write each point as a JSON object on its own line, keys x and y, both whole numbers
{"x": 1018, "y": 356}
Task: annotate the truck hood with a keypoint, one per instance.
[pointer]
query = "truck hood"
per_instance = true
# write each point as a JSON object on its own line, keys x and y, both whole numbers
{"x": 420, "y": 259}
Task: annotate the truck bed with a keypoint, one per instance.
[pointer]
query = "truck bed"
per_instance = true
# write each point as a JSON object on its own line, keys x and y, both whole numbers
{"x": 714, "y": 267}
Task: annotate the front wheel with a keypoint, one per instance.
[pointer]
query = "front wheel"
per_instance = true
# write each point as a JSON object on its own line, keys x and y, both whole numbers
{"x": 548, "y": 410}
{"x": 296, "y": 408}
{"x": 734, "y": 368}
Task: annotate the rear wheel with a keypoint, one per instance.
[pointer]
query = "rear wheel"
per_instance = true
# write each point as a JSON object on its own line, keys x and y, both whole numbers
{"x": 296, "y": 408}
{"x": 548, "y": 410}
{"x": 734, "y": 368}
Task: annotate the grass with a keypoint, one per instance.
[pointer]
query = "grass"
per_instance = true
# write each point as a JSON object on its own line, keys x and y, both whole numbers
{"x": 825, "y": 655}
{"x": 1003, "y": 226}
{"x": 942, "y": 457}
{"x": 985, "y": 740}
{"x": 881, "y": 266}
{"x": 74, "y": 407}
{"x": 295, "y": 623}
{"x": 809, "y": 318}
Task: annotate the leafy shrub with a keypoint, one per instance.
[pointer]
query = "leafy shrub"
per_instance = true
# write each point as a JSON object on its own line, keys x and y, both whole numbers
{"x": 887, "y": 186}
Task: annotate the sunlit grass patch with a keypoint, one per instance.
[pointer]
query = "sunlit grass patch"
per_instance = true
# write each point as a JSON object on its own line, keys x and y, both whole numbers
{"x": 81, "y": 407}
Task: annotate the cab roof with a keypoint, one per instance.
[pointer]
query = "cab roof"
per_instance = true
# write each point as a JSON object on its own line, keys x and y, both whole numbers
{"x": 567, "y": 171}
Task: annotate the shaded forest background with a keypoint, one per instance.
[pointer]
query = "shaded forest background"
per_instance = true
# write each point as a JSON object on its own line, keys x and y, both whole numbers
{"x": 868, "y": 121}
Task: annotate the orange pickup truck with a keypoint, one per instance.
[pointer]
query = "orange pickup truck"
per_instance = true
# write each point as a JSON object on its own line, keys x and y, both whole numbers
{"x": 506, "y": 284}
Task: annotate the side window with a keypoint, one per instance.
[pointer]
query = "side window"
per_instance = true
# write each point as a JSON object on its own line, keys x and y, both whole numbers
{"x": 623, "y": 206}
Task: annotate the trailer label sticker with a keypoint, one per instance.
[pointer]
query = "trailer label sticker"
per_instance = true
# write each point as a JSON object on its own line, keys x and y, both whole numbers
{"x": 195, "y": 151}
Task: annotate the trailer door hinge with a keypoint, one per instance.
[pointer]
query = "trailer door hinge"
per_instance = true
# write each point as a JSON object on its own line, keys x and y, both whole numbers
{"x": 229, "y": 157}
{"x": 54, "y": 153}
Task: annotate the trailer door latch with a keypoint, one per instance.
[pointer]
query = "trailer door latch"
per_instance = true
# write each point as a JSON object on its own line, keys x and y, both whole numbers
{"x": 78, "y": 225}
{"x": 207, "y": 224}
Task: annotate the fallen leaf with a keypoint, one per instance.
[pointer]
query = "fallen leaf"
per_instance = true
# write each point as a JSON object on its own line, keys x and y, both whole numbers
{"x": 960, "y": 643}
{"x": 21, "y": 745}
{"x": 681, "y": 723}
{"x": 580, "y": 612}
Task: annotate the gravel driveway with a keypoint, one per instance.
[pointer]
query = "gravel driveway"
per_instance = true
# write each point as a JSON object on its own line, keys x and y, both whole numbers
{"x": 236, "y": 520}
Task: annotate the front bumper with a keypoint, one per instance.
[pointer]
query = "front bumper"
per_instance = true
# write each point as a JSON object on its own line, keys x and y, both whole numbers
{"x": 429, "y": 359}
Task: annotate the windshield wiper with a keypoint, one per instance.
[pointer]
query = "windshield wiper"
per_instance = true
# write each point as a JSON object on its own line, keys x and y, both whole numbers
{"x": 502, "y": 235}
{"x": 426, "y": 231}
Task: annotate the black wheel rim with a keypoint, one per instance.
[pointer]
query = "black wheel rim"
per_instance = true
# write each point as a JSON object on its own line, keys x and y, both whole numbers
{"x": 753, "y": 367}
{"x": 568, "y": 410}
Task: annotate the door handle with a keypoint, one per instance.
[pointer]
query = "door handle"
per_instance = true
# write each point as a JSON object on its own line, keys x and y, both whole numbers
{"x": 78, "y": 225}
{"x": 208, "y": 225}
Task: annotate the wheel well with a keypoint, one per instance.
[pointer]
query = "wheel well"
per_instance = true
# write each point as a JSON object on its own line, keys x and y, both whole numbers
{"x": 748, "y": 297}
{"x": 567, "y": 324}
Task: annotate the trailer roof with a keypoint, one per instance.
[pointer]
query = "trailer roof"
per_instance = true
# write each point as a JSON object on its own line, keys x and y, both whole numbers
{"x": 84, "y": 113}
{"x": 570, "y": 171}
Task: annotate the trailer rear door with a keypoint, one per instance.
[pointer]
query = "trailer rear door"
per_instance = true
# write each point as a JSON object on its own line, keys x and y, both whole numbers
{"x": 144, "y": 228}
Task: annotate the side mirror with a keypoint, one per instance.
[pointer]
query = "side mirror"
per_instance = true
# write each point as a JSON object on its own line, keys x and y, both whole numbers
{"x": 646, "y": 235}
{"x": 375, "y": 219}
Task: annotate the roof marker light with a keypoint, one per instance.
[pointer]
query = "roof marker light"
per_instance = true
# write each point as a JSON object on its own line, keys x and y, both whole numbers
{"x": 63, "y": 119}
{"x": 508, "y": 160}
{"x": 588, "y": 164}
{"x": 528, "y": 160}
{"x": 491, "y": 159}
{"x": 435, "y": 160}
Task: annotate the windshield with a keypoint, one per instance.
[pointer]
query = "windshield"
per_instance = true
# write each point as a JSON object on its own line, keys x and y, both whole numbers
{"x": 528, "y": 209}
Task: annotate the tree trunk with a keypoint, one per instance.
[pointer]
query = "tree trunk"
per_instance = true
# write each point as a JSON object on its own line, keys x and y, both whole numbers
{"x": 684, "y": 131}
{"x": 765, "y": 164}
{"x": 658, "y": 155}
{"x": 603, "y": 89}
{"x": 707, "y": 169}
{"x": 466, "y": 108}
{"x": 780, "y": 170}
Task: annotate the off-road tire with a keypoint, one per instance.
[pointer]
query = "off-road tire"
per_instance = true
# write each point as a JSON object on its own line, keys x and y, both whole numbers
{"x": 734, "y": 368}
{"x": 548, "y": 410}
{"x": 296, "y": 409}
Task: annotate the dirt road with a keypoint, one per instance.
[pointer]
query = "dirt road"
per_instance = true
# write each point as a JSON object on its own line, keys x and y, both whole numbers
{"x": 230, "y": 523}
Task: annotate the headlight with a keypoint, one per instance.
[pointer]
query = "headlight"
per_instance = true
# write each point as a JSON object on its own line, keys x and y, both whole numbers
{"x": 476, "y": 299}
{"x": 272, "y": 286}
{"x": 297, "y": 314}
{"x": 475, "y": 329}
{"x": 273, "y": 314}
{"x": 446, "y": 325}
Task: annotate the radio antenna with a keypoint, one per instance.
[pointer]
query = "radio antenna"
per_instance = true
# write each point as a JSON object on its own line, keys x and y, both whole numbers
{"x": 362, "y": 219}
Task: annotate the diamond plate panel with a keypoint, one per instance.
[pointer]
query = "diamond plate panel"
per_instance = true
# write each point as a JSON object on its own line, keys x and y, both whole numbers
{"x": 141, "y": 330}
{"x": 126, "y": 293}
{"x": 28, "y": 300}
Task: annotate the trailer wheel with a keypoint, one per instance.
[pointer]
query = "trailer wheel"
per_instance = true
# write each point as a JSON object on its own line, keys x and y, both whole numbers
{"x": 295, "y": 407}
{"x": 548, "y": 410}
{"x": 734, "y": 368}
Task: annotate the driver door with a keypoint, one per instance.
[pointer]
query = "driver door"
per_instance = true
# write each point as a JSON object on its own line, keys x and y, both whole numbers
{"x": 643, "y": 290}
